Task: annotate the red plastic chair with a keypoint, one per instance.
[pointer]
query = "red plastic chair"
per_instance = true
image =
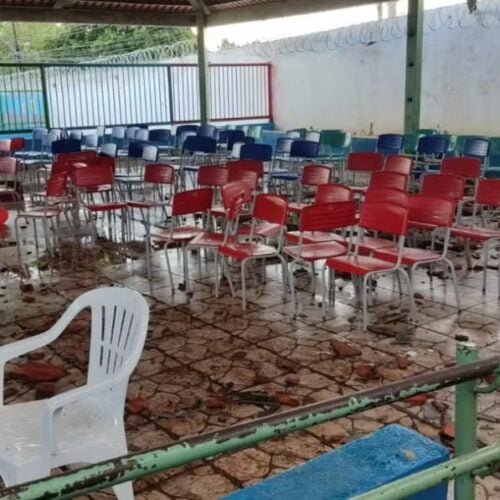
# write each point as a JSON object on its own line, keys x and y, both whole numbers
{"x": 78, "y": 156}
{"x": 446, "y": 186}
{"x": 312, "y": 176}
{"x": 463, "y": 166}
{"x": 322, "y": 219}
{"x": 399, "y": 164}
{"x": 487, "y": 195}
{"x": 185, "y": 203}
{"x": 268, "y": 208}
{"x": 212, "y": 176}
{"x": 10, "y": 184}
{"x": 256, "y": 166}
{"x": 375, "y": 216}
{"x": 54, "y": 199}
{"x": 366, "y": 162}
{"x": 157, "y": 190}
{"x": 326, "y": 193}
{"x": 93, "y": 181}
{"x": 233, "y": 194}
{"x": 384, "y": 180}
{"x": 436, "y": 214}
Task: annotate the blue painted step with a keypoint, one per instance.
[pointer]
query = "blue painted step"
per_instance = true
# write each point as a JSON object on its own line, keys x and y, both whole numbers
{"x": 360, "y": 466}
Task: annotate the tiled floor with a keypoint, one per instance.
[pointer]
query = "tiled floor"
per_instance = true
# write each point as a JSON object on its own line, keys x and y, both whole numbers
{"x": 205, "y": 356}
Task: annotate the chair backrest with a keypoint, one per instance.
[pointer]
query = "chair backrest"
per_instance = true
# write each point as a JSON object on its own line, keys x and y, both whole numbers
{"x": 119, "y": 326}
{"x": 432, "y": 145}
{"x": 312, "y": 135}
{"x": 327, "y": 193}
{"x": 488, "y": 192}
{"x": 212, "y": 175}
{"x": 398, "y": 163}
{"x": 65, "y": 146}
{"x": 283, "y": 146}
{"x": 181, "y": 130}
{"x": 192, "y": 201}
{"x": 234, "y": 136}
{"x": 77, "y": 156}
{"x": 295, "y": 134}
{"x": 395, "y": 196}
{"x": 365, "y": 162}
{"x": 428, "y": 131}
{"x": 199, "y": 144}
{"x": 38, "y": 134}
{"x": 388, "y": 180}
{"x": 249, "y": 177}
{"x": 463, "y": 166}
{"x": 150, "y": 153}
{"x": 431, "y": 210}
{"x": 363, "y": 144}
{"x": 443, "y": 186}
{"x": 234, "y": 194}
{"x": 100, "y": 161}
{"x": 76, "y": 135}
{"x": 390, "y": 144}
{"x": 5, "y": 145}
{"x": 385, "y": 217}
{"x": 9, "y": 165}
{"x": 135, "y": 150}
{"x": 91, "y": 141}
{"x": 335, "y": 139}
{"x": 327, "y": 216}
{"x": 130, "y": 133}
{"x": 304, "y": 149}
{"x": 270, "y": 208}
{"x": 261, "y": 152}
{"x": 255, "y": 165}
{"x": 141, "y": 135}
{"x": 93, "y": 176}
{"x": 316, "y": 175}
{"x": 57, "y": 185}
{"x": 160, "y": 136}
{"x": 410, "y": 143}
{"x": 119, "y": 132}
{"x": 159, "y": 173}
{"x": 109, "y": 149}
{"x": 207, "y": 131}
{"x": 476, "y": 148}
{"x": 17, "y": 143}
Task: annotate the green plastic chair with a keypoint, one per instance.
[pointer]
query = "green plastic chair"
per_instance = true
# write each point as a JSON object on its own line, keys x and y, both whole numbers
{"x": 334, "y": 143}
{"x": 410, "y": 143}
{"x": 493, "y": 169}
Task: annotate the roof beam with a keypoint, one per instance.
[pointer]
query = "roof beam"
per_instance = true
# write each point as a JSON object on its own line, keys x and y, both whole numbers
{"x": 94, "y": 16}
{"x": 200, "y": 5}
{"x": 279, "y": 8}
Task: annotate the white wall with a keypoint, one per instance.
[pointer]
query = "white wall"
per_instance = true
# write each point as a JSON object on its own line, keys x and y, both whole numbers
{"x": 353, "y": 86}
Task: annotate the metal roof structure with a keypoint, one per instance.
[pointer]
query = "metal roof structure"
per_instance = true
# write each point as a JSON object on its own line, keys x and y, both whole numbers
{"x": 162, "y": 12}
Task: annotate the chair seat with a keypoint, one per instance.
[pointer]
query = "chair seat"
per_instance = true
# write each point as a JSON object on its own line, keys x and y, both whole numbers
{"x": 359, "y": 189}
{"x": 263, "y": 230}
{"x": 180, "y": 234}
{"x": 207, "y": 239}
{"x": 370, "y": 243}
{"x": 40, "y": 213}
{"x": 316, "y": 251}
{"x": 106, "y": 207}
{"x": 313, "y": 237}
{"x": 358, "y": 264}
{"x": 190, "y": 168}
{"x": 410, "y": 255}
{"x": 284, "y": 176}
{"x": 475, "y": 233}
{"x": 218, "y": 211}
{"x": 425, "y": 226}
{"x": 243, "y": 250}
{"x": 147, "y": 204}
{"x": 81, "y": 425}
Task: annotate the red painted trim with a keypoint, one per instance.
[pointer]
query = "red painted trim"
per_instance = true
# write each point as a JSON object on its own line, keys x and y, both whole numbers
{"x": 229, "y": 65}
{"x": 270, "y": 92}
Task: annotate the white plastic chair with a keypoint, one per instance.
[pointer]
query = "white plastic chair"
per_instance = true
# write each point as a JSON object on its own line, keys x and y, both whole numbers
{"x": 83, "y": 425}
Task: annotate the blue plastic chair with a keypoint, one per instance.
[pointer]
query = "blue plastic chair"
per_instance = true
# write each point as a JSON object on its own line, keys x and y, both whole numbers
{"x": 431, "y": 149}
{"x": 234, "y": 136}
{"x": 302, "y": 149}
{"x": 160, "y": 136}
{"x": 180, "y": 130}
{"x": 195, "y": 148}
{"x": 207, "y": 131}
{"x": 261, "y": 152}
{"x": 363, "y": 144}
{"x": 65, "y": 146}
{"x": 389, "y": 144}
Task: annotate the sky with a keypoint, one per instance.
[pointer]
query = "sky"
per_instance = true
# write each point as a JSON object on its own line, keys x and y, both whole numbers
{"x": 274, "y": 29}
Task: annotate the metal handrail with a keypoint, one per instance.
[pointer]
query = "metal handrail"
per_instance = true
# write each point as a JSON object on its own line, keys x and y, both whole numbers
{"x": 138, "y": 465}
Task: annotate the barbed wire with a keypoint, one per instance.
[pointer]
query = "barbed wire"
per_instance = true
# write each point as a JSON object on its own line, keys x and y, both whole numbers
{"x": 394, "y": 28}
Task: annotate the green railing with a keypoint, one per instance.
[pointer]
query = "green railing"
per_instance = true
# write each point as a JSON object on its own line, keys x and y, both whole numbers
{"x": 467, "y": 463}
{"x": 89, "y": 95}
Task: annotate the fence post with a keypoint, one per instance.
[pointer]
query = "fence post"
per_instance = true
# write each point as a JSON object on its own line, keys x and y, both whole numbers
{"x": 203, "y": 75}
{"x": 170, "y": 94}
{"x": 45, "y": 97}
{"x": 465, "y": 421}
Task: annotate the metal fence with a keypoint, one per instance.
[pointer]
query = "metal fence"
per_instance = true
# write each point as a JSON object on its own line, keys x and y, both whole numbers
{"x": 88, "y": 95}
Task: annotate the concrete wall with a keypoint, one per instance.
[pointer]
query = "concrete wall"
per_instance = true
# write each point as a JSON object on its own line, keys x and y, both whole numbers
{"x": 362, "y": 84}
